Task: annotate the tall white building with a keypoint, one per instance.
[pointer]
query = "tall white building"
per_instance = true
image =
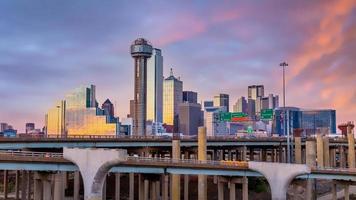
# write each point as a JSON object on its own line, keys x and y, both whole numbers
{"x": 155, "y": 87}
{"x": 255, "y": 91}
{"x": 214, "y": 126}
{"x": 240, "y": 105}
{"x": 172, "y": 97}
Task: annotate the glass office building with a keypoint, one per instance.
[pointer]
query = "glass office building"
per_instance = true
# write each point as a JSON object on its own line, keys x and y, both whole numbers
{"x": 172, "y": 97}
{"x": 79, "y": 114}
{"x": 311, "y": 121}
{"x": 154, "y": 87}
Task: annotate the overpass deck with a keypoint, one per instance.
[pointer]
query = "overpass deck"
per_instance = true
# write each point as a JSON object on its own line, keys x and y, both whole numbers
{"x": 151, "y": 141}
{"x": 39, "y": 161}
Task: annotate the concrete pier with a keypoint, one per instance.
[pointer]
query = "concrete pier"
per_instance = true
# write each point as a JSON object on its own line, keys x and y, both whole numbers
{"x": 58, "y": 191}
{"x": 76, "y": 185}
{"x": 320, "y": 150}
{"x": 117, "y": 186}
{"x": 131, "y": 186}
{"x": 310, "y": 151}
{"x": 175, "y": 184}
{"x": 279, "y": 176}
{"x": 202, "y": 179}
{"x": 94, "y": 165}
{"x": 5, "y": 184}
{"x": 351, "y": 147}
{"x": 165, "y": 184}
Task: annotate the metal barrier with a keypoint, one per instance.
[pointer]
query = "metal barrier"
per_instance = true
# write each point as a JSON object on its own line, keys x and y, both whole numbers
{"x": 32, "y": 154}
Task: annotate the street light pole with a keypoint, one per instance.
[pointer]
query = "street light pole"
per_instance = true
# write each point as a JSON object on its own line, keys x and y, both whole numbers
{"x": 284, "y": 65}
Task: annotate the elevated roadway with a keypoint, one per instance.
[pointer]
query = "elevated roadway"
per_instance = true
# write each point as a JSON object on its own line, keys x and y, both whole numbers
{"x": 39, "y": 161}
{"x": 139, "y": 142}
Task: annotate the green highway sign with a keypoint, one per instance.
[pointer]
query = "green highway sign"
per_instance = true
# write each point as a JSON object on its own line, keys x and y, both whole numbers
{"x": 225, "y": 116}
{"x": 267, "y": 114}
{"x": 233, "y": 117}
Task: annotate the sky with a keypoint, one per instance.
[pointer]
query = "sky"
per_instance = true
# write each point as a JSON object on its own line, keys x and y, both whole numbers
{"x": 48, "y": 48}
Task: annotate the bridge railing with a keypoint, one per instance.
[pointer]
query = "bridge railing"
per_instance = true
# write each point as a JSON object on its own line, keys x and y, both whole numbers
{"x": 153, "y": 137}
{"x": 188, "y": 161}
{"x": 32, "y": 154}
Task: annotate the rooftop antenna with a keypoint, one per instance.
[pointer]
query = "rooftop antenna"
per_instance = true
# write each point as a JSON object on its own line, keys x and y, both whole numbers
{"x": 171, "y": 72}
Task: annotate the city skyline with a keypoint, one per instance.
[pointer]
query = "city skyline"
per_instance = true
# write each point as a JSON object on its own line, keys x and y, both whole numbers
{"x": 215, "y": 49}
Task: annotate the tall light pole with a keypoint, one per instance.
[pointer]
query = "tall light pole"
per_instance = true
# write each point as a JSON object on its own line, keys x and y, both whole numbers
{"x": 284, "y": 65}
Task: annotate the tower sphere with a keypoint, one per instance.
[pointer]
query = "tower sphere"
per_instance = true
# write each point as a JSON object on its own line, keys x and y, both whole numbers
{"x": 141, "y": 47}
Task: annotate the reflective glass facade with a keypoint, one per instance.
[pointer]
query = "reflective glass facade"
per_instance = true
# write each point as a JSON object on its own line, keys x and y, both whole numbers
{"x": 311, "y": 121}
{"x": 55, "y": 119}
{"x": 79, "y": 114}
{"x": 172, "y": 97}
{"x": 155, "y": 86}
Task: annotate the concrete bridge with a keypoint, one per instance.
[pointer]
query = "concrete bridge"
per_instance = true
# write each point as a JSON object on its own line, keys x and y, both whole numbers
{"x": 279, "y": 174}
{"x": 229, "y": 160}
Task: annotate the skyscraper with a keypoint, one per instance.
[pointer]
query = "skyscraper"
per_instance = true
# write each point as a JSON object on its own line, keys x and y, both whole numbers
{"x": 29, "y": 127}
{"x": 255, "y": 91}
{"x": 141, "y": 50}
{"x": 208, "y": 104}
{"x": 79, "y": 114}
{"x": 190, "y": 96}
{"x": 155, "y": 86}
{"x": 108, "y": 108}
{"x": 189, "y": 118}
{"x": 55, "y": 119}
{"x": 240, "y": 105}
{"x": 172, "y": 97}
{"x": 222, "y": 100}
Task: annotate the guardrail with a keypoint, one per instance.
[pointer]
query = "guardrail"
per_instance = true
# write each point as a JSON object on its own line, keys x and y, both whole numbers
{"x": 188, "y": 161}
{"x": 148, "y": 137}
{"x": 32, "y": 154}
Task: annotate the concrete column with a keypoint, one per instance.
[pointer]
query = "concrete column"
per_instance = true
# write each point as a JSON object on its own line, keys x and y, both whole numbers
{"x": 346, "y": 192}
{"x": 333, "y": 191}
{"x": 117, "y": 186}
{"x": 165, "y": 183}
{"x": 310, "y": 151}
{"x": 146, "y": 187}
{"x": 141, "y": 189}
{"x": 326, "y": 151}
{"x": 220, "y": 190}
{"x": 298, "y": 150}
{"x": 319, "y": 150}
{"x": 158, "y": 189}
{"x": 17, "y": 183}
{"x": 244, "y": 153}
{"x": 244, "y": 188}
{"x": 131, "y": 186}
{"x": 58, "y": 193}
{"x": 153, "y": 191}
{"x": 94, "y": 165}
{"x": 76, "y": 185}
{"x": 24, "y": 184}
{"x": 342, "y": 157}
{"x": 232, "y": 191}
{"x": 47, "y": 187}
{"x": 175, "y": 184}
{"x": 29, "y": 185}
{"x": 186, "y": 187}
{"x": 332, "y": 158}
{"x": 202, "y": 179}
{"x": 37, "y": 189}
{"x": 351, "y": 147}
{"x": 279, "y": 176}
{"x": 5, "y": 185}
{"x": 252, "y": 156}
